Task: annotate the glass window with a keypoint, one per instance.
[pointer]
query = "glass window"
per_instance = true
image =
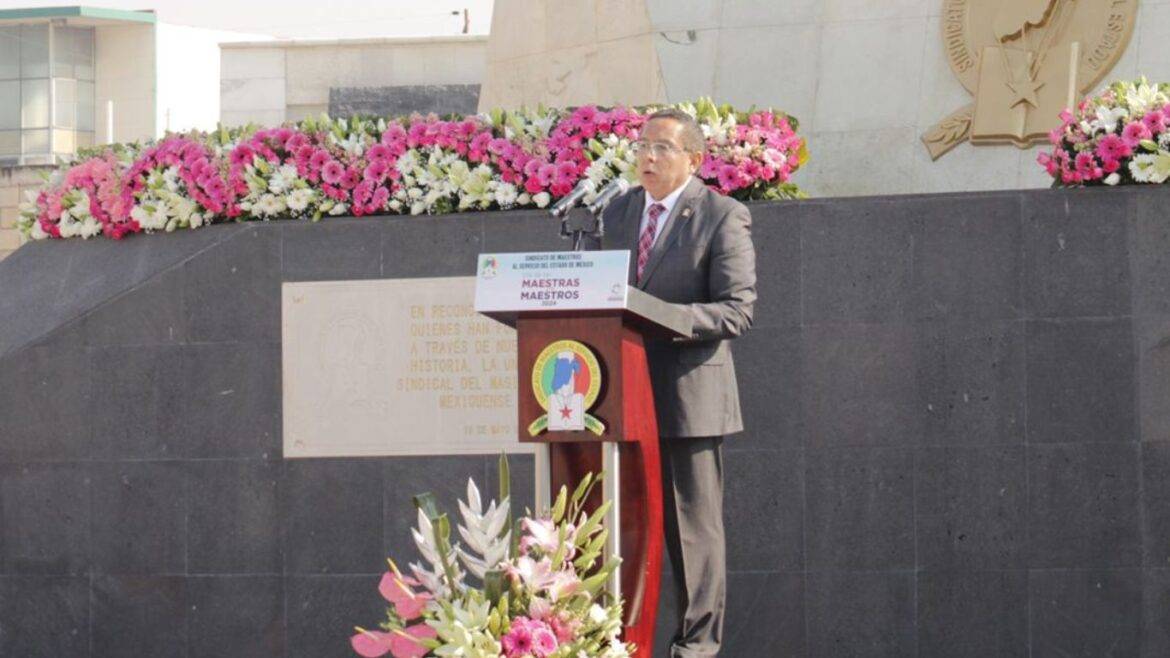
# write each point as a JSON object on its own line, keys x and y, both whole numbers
{"x": 35, "y": 141}
{"x": 62, "y": 52}
{"x": 10, "y": 52}
{"x": 64, "y": 141}
{"x": 34, "y": 51}
{"x": 83, "y": 53}
{"x": 9, "y": 104}
{"x": 9, "y": 144}
{"x": 34, "y": 99}
{"x": 84, "y": 139}
{"x": 86, "y": 108}
{"x": 65, "y": 111}
{"x": 73, "y": 52}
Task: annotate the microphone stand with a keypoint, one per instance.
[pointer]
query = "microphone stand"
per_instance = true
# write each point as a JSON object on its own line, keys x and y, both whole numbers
{"x": 580, "y": 228}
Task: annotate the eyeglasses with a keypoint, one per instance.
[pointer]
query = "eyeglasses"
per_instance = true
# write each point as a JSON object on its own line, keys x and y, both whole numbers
{"x": 660, "y": 149}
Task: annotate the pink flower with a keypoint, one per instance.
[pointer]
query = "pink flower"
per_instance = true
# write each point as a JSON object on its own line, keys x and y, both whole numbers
{"x": 242, "y": 155}
{"x": 544, "y": 640}
{"x": 376, "y": 170}
{"x": 400, "y": 643}
{"x": 1156, "y": 122}
{"x": 1134, "y": 133}
{"x": 1050, "y": 165}
{"x": 396, "y": 589}
{"x": 332, "y": 172}
{"x": 528, "y": 637}
{"x": 1112, "y": 147}
{"x": 295, "y": 142}
{"x": 379, "y": 152}
{"x": 728, "y": 177}
{"x": 1087, "y": 166}
{"x": 371, "y": 644}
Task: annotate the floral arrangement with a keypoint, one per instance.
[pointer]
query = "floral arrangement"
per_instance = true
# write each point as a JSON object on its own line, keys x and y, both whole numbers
{"x": 541, "y": 585}
{"x": 419, "y": 164}
{"x": 1119, "y": 137}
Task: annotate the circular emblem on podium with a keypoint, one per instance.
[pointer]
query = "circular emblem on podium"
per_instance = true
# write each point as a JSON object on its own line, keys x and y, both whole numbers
{"x": 566, "y": 380}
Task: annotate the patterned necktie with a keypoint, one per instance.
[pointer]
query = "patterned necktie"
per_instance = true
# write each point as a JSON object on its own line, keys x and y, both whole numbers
{"x": 646, "y": 241}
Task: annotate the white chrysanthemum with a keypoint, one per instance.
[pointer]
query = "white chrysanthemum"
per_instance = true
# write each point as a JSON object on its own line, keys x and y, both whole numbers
{"x": 299, "y": 199}
{"x": 150, "y": 217}
{"x": 541, "y": 200}
{"x": 458, "y": 173}
{"x": 407, "y": 162}
{"x": 171, "y": 179}
{"x": 1150, "y": 167}
{"x": 338, "y": 209}
{"x": 282, "y": 179}
{"x": 89, "y": 228}
{"x": 506, "y": 195}
{"x": 268, "y": 205}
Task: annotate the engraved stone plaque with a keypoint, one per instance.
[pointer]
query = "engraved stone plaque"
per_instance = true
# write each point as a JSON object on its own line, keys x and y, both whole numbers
{"x": 395, "y": 367}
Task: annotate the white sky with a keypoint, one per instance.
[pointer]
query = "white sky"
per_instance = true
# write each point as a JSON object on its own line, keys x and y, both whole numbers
{"x": 305, "y": 19}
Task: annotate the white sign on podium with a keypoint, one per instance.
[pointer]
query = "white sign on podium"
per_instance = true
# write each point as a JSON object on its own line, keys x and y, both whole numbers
{"x": 559, "y": 280}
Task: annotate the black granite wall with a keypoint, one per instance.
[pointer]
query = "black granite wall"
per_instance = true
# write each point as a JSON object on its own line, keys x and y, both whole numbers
{"x": 958, "y": 444}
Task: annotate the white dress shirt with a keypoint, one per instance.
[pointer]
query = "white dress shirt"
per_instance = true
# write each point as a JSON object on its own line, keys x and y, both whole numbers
{"x": 667, "y": 203}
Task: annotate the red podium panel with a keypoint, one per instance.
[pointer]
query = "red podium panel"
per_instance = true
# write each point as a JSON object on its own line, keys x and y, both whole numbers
{"x": 625, "y": 407}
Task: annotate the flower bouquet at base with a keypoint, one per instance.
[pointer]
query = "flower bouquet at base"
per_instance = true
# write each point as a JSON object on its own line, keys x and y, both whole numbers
{"x": 529, "y": 589}
{"x": 1119, "y": 137}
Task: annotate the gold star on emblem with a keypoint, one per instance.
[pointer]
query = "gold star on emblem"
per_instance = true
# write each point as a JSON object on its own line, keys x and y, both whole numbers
{"x": 1025, "y": 92}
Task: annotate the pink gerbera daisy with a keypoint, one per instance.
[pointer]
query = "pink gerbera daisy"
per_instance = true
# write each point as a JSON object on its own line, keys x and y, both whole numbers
{"x": 1113, "y": 147}
{"x": 332, "y": 172}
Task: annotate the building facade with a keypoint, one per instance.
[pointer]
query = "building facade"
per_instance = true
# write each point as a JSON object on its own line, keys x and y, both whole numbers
{"x": 73, "y": 77}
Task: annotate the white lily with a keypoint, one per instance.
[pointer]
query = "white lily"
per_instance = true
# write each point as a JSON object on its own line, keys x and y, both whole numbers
{"x": 481, "y": 530}
{"x": 1108, "y": 118}
{"x": 424, "y": 540}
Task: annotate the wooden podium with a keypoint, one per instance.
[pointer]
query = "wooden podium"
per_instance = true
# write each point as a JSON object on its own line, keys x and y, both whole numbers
{"x": 621, "y": 432}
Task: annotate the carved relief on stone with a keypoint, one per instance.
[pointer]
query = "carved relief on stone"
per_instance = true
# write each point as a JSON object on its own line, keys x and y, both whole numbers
{"x": 1025, "y": 61}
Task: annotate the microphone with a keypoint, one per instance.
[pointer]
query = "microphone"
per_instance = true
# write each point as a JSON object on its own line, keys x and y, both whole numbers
{"x": 616, "y": 187}
{"x": 570, "y": 200}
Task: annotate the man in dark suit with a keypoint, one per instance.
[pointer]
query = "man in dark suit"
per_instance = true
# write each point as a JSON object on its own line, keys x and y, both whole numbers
{"x": 693, "y": 247}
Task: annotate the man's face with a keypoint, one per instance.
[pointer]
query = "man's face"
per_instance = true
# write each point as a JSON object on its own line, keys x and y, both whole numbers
{"x": 663, "y": 163}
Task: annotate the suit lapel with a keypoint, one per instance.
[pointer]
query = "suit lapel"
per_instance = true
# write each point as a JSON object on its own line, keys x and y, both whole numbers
{"x": 680, "y": 216}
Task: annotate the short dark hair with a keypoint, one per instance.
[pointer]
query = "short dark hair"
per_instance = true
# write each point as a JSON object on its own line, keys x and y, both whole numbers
{"x": 692, "y": 135}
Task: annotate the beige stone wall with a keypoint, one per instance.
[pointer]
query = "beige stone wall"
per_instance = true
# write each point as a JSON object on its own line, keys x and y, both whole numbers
{"x": 272, "y": 82}
{"x": 571, "y": 52}
{"x": 14, "y": 181}
{"x": 866, "y": 78}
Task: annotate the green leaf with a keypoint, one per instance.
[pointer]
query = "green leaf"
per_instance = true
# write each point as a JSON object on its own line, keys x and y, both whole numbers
{"x": 595, "y": 519}
{"x": 494, "y": 585}
{"x": 558, "y": 510}
{"x": 582, "y": 487}
{"x": 505, "y": 476}
{"x": 594, "y": 583}
{"x": 562, "y": 547}
{"x": 428, "y": 504}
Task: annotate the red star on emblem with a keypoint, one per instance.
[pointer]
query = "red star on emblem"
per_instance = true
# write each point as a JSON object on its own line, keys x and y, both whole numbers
{"x": 566, "y": 412}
